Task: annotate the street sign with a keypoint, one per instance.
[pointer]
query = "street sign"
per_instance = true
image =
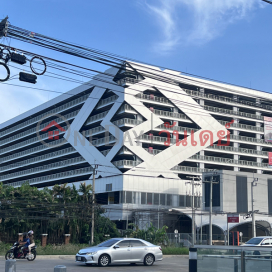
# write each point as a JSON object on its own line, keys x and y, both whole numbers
{"x": 233, "y": 218}
{"x": 176, "y": 231}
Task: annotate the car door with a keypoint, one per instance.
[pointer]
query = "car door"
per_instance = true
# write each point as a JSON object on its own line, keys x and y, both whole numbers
{"x": 138, "y": 250}
{"x": 122, "y": 253}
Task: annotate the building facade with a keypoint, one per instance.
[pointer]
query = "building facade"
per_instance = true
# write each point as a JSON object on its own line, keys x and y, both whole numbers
{"x": 147, "y": 133}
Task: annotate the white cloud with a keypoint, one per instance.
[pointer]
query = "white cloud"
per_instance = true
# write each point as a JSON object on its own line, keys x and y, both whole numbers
{"x": 196, "y": 21}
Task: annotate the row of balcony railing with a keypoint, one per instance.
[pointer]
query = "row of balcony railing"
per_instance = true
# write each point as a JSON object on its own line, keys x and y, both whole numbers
{"x": 170, "y": 114}
{"x": 125, "y": 107}
{"x": 129, "y": 163}
{"x": 208, "y": 159}
{"x": 154, "y": 98}
{"x": 107, "y": 100}
{"x": 30, "y": 141}
{"x": 34, "y": 130}
{"x": 227, "y": 99}
{"x": 38, "y": 159}
{"x": 232, "y": 112}
{"x": 96, "y": 117}
{"x": 173, "y": 140}
{"x": 67, "y": 174}
{"x": 232, "y": 149}
{"x": 30, "y": 151}
{"x": 47, "y": 167}
{"x": 243, "y": 126}
{"x": 126, "y": 163}
{"x": 39, "y": 117}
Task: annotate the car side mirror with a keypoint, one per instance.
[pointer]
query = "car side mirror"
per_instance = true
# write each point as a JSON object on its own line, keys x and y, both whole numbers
{"x": 115, "y": 247}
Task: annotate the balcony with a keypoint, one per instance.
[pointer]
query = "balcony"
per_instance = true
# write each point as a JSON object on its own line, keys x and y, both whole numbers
{"x": 95, "y": 118}
{"x": 34, "y": 130}
{"x": 244, "y": 127}
{"x": 40, "y": 169}
{"x": 36, "y": 119}
{"x": 172, "y": 115}
{"x": 231, "y": 101}
{"x": 211, "y": 159}
{"x": 29, "y": 142}
{"x": 126, "y": 108}
{"x": 223, "y": 149}
{"x": 49, "y": 156}
{"x": 30, "y": 151}
{"x": 58, "y": 176}
{"x": 154, "y": 99}
{"x": 126, "y": 163}
{"x": 232, "y": 112}
{"x": 107, "y": 101}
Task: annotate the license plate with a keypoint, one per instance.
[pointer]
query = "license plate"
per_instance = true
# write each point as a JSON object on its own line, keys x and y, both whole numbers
{"x": 79, "y": 258}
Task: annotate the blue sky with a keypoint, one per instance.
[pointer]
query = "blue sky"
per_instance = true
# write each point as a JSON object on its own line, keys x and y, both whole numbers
{"x": 228, "y": 40}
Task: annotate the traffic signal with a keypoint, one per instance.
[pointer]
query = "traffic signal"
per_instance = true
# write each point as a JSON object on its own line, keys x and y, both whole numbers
{"x": 18, "y": 58}
{"x": 27, "y": 77}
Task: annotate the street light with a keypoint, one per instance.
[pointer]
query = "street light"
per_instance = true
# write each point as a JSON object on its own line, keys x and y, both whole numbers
{"x": 253, "y": 183}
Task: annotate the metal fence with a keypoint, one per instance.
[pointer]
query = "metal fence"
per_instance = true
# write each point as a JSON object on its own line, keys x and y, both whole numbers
{"x": 231, "y": 259}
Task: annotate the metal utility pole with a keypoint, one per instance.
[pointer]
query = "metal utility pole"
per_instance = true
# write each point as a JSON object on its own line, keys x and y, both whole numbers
{"x": 253, "y": 183}
{"x": 193, "y": 205}
{"x": 93, "y": 203}
{"x": 212, "y": 181}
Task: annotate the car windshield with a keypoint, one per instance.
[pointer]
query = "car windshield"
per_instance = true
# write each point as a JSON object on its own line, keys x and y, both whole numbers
{"x": 108, "y": 243}
{"x": 254, "y": 241}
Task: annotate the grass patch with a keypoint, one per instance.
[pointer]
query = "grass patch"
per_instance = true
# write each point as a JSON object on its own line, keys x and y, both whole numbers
{"x": 72, "y": 249}
{"x": 175, "y": 251}
{"x": 4, "y": 248}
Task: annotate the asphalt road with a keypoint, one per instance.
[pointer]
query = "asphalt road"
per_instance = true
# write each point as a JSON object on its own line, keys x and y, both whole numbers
{"x": 47, "y": 264}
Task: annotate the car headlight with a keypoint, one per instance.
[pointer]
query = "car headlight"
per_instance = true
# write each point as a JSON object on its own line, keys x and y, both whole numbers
{"x": 91, "y": 253}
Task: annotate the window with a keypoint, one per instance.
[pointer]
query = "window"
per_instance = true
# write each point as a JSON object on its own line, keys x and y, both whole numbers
{"x": 143, "y": 198}
{"x": 215, "y": 193}
{"x": 182, "y": 201}
{"x": 169, "y": 200}
{"x": 149, "y": 198}
{"x": 136, "y": 243}
{"x": 128, "y": 197}
{"x": 109, "y": 187}
{"x": 108, "y": 243}
{"x": 156, "y": 199}
{"x": 241, "y": 194}
{"x": 122, "y": 197}
{"x": 124, "y": 244}
{"x": 162, "y": 199}
{"x": 188, "y": 201}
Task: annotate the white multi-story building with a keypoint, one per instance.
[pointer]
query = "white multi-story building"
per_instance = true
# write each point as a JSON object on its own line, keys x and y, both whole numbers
{"x": 132, "y": 124}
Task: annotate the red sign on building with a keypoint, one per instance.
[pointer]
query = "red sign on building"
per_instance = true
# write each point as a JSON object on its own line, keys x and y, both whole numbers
{"x": 233, "y": 218}
{"x": 270, "y": 158}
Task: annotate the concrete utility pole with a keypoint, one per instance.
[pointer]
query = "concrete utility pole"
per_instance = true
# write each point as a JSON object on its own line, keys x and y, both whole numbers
{"x": 253, "y": 183}
{"x": 193, "y": 205}
{"x": 93, "y": 202}
{"x": 212, "y": 181}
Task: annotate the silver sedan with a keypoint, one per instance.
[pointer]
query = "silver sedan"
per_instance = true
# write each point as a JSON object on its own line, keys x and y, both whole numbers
{"x": 120, "y": 250}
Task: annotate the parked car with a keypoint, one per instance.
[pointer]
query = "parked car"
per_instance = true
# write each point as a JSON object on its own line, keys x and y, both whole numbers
{"x": 260, "y": 241}
{"x": 120, "y": 250}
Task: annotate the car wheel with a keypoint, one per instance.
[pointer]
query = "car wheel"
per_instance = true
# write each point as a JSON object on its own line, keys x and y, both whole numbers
{"x": 256, "y": 253}
{"x": 149, "y": 260}
{"x": 104, "y": 260}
